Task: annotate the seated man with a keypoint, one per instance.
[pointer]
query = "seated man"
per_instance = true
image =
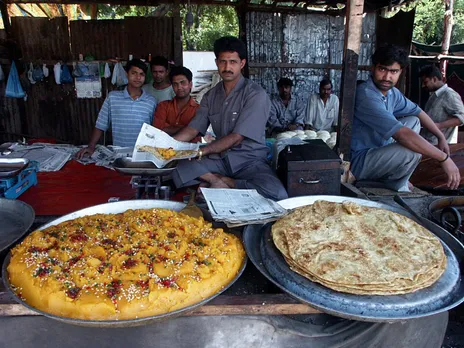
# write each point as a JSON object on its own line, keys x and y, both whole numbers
{"x": 444, "y": 106}
{"x": 173, "y": 115}
{"x": 161, "y": 88}
{"x": 287, "y": 113}
{"x": 322, "y": 109}
{"x": 385, "y": 145}
{"x": 125, "y": 111}
{"x": 238, "y": 110}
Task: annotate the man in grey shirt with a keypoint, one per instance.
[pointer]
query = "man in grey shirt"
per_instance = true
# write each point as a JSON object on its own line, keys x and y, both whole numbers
{"x": 444, "y": 106}
{"x": 238, "y": 110}
{"x": 287, "y": 112}
{"x": 161, "y": 88}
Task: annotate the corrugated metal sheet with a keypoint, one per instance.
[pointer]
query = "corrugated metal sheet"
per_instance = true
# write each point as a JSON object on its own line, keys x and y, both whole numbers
{"x": 305, "y": 38}
{"x": 42, "y": 38}
{"x": 102, "y": 39}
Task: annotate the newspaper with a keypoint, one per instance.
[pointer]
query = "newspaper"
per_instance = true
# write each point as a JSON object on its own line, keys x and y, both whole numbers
{"x": 241, "y": 207}
{"x": 50, "y": 159}
{"x": 151, "y": 136}
{"x": 105, "y": 156}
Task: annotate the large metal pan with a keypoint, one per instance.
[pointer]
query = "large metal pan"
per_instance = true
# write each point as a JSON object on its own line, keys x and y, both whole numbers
{"x": 114, "y": 208}
{"x": 125, "y": 165}
{"x": 16, "y": 217}
{"x": 446, "y": 293}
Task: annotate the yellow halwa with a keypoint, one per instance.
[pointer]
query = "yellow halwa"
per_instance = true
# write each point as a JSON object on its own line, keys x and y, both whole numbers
{"x": 123, "y": 266}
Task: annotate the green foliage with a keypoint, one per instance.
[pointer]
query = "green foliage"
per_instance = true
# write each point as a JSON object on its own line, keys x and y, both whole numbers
{"x": 209, "y": 22}
{"x": 429, "y": 22}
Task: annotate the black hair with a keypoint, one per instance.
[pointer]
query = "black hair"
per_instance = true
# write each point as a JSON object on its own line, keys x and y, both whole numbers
{"x": 180, "y": 70}
{"x": 161, "y": 61}
{"x": 325, "y": 82}
{"x": 431, "y": 71}
{"x": 138, "y": 64}
{"x": 284, "y": 81}
{"x": 230, "y": 44}
{"x": 390, "y": 54}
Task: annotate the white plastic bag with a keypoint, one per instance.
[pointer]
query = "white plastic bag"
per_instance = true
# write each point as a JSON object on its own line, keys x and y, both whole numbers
{"x": 45, "y": 70}
{"x": 57, "y": 72}
{"x": 119, "y": 76}
{"x": 29, "y": 74}
{"x": 107, "y": 72}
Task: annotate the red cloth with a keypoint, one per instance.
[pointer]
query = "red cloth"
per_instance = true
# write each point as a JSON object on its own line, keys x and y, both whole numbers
{"x": 76, "y": 187}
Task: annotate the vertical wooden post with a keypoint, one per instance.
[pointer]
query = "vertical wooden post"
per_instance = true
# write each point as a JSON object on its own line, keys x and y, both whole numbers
{"x": 5, "y": 17}
{"x": 93, "y": 11}
{"x": 242, "y": 17}
{"x": 177, "y": 31}
{"x": 448, "y": 27}
{"x": 352, "y": 44}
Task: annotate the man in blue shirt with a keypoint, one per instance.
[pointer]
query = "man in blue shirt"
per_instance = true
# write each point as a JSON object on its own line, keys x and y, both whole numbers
{"x": 386, "y": 146}
{"x": 125, "y": 111}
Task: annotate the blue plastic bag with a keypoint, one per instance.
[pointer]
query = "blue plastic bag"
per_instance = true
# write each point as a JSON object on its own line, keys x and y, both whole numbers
{"x": 66, "y": 74}
{"x": 13, "y": 86}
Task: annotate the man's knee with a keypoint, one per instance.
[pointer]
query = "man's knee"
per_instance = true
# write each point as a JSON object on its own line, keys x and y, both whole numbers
{"x": 412, "y": 122}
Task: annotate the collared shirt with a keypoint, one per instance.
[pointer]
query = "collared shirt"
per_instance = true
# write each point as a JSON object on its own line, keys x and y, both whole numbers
{"x": 320, "y": 116}
{"x": 443, "y": 104}
{"x": 376, "y": 120}
{"x": 244, "y": 111}
{"x": 282, "y": 116}
{"x": 159, "y": 94}
{"x": 126, "y": 116}
{"x": 167, "y": 114}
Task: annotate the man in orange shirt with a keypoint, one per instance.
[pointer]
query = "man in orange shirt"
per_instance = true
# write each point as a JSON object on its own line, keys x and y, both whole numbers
{"x": 173, "y": 115}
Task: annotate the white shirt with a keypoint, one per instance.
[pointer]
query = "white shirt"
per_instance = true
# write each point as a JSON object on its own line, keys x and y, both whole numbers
{"x": 320, "y": 116}
{"x": 159, "y": 94}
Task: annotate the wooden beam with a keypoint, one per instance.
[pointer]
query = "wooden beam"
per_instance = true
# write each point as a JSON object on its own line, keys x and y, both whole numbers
{"x": 242, "y": 18}
{"x": 5, "y": 18}
{"x": 177, "y": 32}
{"x": 352, "y": 45}
{"x": 448, "y": 27}
{"x": 306, "y": 66}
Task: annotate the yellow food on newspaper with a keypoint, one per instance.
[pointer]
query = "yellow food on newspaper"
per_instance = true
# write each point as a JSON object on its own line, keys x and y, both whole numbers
{"x": 166, "y": 154}
{"x": 135, "y": 264}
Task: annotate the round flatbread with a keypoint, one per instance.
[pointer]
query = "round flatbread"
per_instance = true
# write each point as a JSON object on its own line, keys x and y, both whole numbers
{"x": 357, "y": 249}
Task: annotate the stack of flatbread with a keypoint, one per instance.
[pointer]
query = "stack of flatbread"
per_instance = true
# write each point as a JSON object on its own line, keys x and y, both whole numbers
{"x": 359, "y": 250}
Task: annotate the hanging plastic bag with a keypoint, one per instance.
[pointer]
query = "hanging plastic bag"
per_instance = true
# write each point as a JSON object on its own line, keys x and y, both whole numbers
{"x": 107, "y": 73}
{"x": 37, "y": 74}
{"x": 66, "y": 74}
{"x": 13, "y": 86}
{"x": 45, "y": 70}
{"x": 57, "y": 73}
{"x": 119, "y": 76}
{"x": 2, "y": 75}
{"x": 29, "y": 74}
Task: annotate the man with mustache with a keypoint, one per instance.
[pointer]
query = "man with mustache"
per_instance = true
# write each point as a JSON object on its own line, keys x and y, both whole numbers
{"x": 238, "y": 110}
{"x": 385, "y": 145}
{"x": 322, "y": 109}
{"x": 173, "y": 115}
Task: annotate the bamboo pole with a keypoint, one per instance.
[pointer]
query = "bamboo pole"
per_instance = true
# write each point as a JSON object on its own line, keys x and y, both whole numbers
{"x": 448, "y": 27}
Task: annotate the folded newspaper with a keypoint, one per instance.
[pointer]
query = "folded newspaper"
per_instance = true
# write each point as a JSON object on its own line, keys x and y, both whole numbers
{"x": 158, "y": 147}
{"x": 241, "y": 207}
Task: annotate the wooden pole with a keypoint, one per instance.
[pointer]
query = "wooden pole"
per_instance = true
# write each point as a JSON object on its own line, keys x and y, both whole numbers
{"x": 242, "y": 17}
{"x": 5, "y": 18}
{"x": 352, "y": 44}
{"x": 177, "y": 33}
{"x": 448, "y": 27}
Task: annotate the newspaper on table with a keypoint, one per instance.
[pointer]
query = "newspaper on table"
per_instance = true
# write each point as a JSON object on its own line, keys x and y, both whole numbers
{"x": 49, "y": 157}
{"x": 237, "y": 207}
{"x": 105, "y": 156}
{"x": 156, "y": 138}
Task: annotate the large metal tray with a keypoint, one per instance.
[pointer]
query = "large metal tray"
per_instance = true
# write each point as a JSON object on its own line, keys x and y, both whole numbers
{"x": 446, "y": 293}
{"x": 11, "y": 166}
{"x": 125, "y": 165}
{"x": 115, "y": 208}
{"x": 16, "y": 217}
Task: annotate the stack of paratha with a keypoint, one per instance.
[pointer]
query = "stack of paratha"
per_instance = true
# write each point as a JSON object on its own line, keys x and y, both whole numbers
{"x": 359, "y": 250}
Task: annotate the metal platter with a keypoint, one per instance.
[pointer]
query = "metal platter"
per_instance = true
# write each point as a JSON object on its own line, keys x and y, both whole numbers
{"x": 115, "y": 208}
{"x": 125, "y": 165}
{"x": 16, "y": 218}
{"x": 446, "y": 293}
{"x": 11, "y": 166}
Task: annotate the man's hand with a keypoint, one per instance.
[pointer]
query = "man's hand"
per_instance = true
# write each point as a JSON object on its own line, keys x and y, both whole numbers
{"x": 85, "y": 151}
{"x": 443, "y": 145}
{"x": 452, "y": 171}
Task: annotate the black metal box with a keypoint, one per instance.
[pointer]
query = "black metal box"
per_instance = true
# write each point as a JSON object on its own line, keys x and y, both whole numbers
{"x": 309, "y": 169}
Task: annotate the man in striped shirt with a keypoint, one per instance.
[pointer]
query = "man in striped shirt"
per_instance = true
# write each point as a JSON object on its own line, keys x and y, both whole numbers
{"x": 125, "y": 111}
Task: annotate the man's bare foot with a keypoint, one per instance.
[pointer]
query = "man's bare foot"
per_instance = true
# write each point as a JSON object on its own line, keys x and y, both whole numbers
{"x": 213, "y": 180}
{"x": 219, "y": 184}
{"x": 229, "y": 181}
